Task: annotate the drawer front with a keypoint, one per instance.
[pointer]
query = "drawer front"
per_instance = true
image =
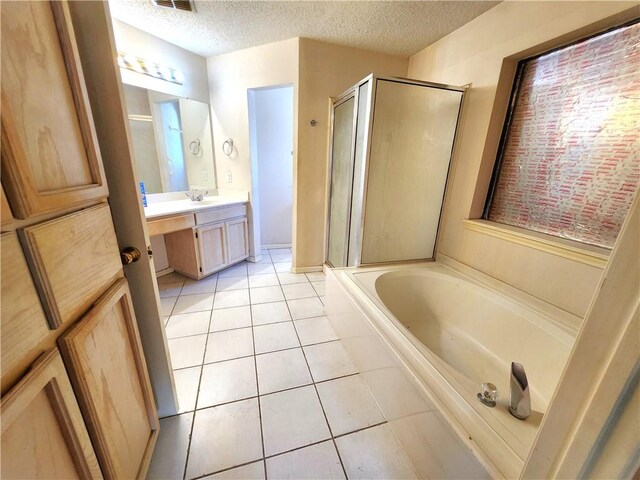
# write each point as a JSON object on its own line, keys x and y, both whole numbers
{"x": 218, "y": 214}
{"x": 170, "y": 224}
{"x": 75, "y": 259}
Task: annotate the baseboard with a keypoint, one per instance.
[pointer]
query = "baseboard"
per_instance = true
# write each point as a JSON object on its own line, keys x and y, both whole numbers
{"x": 163, "y": 272}
{"x": 306, "y": 269}
{"x": 256, "y": 259}
{"x": 275, "y": 245}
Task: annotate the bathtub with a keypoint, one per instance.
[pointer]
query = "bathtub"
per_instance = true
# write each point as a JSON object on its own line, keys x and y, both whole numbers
{"x": 454, "y": 332}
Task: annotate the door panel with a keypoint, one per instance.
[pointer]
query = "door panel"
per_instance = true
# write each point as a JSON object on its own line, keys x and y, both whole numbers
{"x": 5, "y": 211}
{"x": 211, "y": 246}
{"x": 23, "y": 324}
{"x": 238, "y": 239}
{"x": 43, "y": 435}
{"x": 75, "y": 259}
{"x": 341, "y": 182}
{"x": 107, "y": 367}
{"x": 50, "y": 155}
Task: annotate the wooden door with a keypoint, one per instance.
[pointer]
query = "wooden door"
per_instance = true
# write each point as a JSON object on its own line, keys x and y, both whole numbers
{"x": 52, "y": 175}
{"x": 237, "y": 239}
{"x": 43, "y": 434}
{"x": 106, "y": 365}
{"x": 50, "y": 156}
{"x": 212, "y": 248}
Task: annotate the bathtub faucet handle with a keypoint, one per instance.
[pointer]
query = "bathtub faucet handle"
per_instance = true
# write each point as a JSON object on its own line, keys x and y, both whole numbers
{"x": 488, "y": 394}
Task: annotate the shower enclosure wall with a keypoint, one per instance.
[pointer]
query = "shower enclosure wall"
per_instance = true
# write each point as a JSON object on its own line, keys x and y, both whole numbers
{"x": 391, "y": 143}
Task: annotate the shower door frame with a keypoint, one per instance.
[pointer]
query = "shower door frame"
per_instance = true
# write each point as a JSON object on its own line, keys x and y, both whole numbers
{"x": 340, "y": 100}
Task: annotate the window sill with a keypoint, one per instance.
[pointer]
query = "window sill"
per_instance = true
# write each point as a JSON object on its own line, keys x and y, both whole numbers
{"x": 579, "y": 252}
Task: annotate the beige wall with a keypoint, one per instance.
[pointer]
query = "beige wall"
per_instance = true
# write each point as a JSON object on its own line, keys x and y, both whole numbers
{"x": 141, "y": 44}
{"x": 326, "y": 70}
{"x": 475, "y": 54}
{"x": 230, "y": 76}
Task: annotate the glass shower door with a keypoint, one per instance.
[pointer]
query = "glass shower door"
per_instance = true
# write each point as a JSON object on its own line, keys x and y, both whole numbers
{"x": 341, "y": 182}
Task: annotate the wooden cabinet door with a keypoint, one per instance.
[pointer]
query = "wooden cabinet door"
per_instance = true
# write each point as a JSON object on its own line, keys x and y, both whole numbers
{"x": 43, "y": 435}
{"x": 238, "y": 239}
{"x": 212, "y": 248}
{"x": 104, "y": 357}
{"x": 23, "y": 325}
{"x": 50, "y": 155}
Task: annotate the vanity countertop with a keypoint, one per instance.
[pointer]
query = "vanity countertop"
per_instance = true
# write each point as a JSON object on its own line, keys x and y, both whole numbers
{"x": 174, "y": 207}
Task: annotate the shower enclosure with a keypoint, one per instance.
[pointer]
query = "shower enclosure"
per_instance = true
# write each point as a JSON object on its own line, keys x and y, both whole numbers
{"x": 391, "y": 144}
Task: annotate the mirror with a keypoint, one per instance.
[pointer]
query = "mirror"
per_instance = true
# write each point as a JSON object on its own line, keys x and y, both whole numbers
{"x": 172, "y": 141}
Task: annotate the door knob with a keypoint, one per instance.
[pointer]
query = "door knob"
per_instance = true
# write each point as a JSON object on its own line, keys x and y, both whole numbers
{"x": 130, "y": 255}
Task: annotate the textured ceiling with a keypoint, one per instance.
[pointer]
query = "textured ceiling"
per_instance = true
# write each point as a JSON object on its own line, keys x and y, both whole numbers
{"x": 395, "y": 27}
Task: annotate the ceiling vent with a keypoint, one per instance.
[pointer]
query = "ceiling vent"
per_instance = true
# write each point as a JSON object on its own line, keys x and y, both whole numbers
{"x": 185, "y": 5}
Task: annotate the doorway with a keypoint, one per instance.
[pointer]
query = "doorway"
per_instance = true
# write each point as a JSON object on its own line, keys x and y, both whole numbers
{"x": 271, "y": 144}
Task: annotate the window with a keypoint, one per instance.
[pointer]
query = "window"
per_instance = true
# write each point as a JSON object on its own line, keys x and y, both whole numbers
{"x": 569, "y": 159}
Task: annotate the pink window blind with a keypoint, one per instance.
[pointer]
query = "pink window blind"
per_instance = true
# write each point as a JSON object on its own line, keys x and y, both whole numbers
{"x": 570, "y": 160}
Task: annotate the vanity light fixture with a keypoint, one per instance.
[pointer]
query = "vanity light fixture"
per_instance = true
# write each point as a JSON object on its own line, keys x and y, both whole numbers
{"x": 146, "y": 67}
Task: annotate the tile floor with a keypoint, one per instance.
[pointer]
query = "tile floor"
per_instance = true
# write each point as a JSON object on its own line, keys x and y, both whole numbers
{"x": 266, "y": 389}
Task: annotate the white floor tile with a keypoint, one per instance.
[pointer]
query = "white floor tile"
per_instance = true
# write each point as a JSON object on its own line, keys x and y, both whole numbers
{"x": 315, "y": 330}
{"x": 435, "y": 449}
{"x": 226, "y": 284}
{"x": 205, "y": 285}
{"x": 282, "y": 370}
{"x": 233, "y": 298}
{"x": 170, "y": 289}
{"x": 229, "y": 344}
{"x": 266, "y": 294}
{"x": 316, "y": 276}
{"x": 166, "y": 305}
{"x": 310, "y": 463}
{"x": 229, "y": 318}
{"x": 186, "y": 351}
{"x": 260, "y": 269}
{"x": 171, "y": 277}
{"x": 348, "y": 404}
{"x": 395, "y": 393}
{"x": 282, "y": 267}
{"x": 186, "y": 324}
{"x": 319, "y": 287}
{"x": 227, "y": 381}
{"x": 239, "y": 270}
{"x": 306, "y": 308}
{"x": 328, "y": 360}
{"x": 374, "y": 453}
{"x": 280, "y": 257}
{"x": 288, "y": 278}
{"x": 224, "y": 437}
{"x": 276, "y": 336}
{"x": 263, "y": 280}
{"x": 170, "y": 453}
{"x": 187, "y": 381}
{"x": 194, "y": 303}
{"x": 279, "y": 251}
{"x": 298, "y": 290}
{"x": 253, "y": 471}
{"x": 273, "y": 312}
{"x": 292, "y": 419}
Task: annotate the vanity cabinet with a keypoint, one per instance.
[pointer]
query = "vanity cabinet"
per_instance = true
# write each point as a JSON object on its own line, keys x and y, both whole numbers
{"x": 209, "y": 247}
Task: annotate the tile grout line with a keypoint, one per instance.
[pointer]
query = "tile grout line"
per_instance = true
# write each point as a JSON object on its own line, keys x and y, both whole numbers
{"x": 193, "y": 421}
{"x": 315, "y": 388}
{"x": 255, "y": 366}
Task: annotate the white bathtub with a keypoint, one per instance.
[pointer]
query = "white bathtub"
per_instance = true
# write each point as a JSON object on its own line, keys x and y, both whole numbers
{"x": 454, "y": 333}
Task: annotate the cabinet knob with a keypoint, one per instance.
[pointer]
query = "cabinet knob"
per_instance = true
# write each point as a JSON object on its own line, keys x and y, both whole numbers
{"x": 130, "y": 255}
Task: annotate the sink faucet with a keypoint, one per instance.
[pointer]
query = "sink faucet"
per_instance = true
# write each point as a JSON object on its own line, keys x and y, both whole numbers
{"x": 195, "y": 196}
{"x": 519, "y": 397}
